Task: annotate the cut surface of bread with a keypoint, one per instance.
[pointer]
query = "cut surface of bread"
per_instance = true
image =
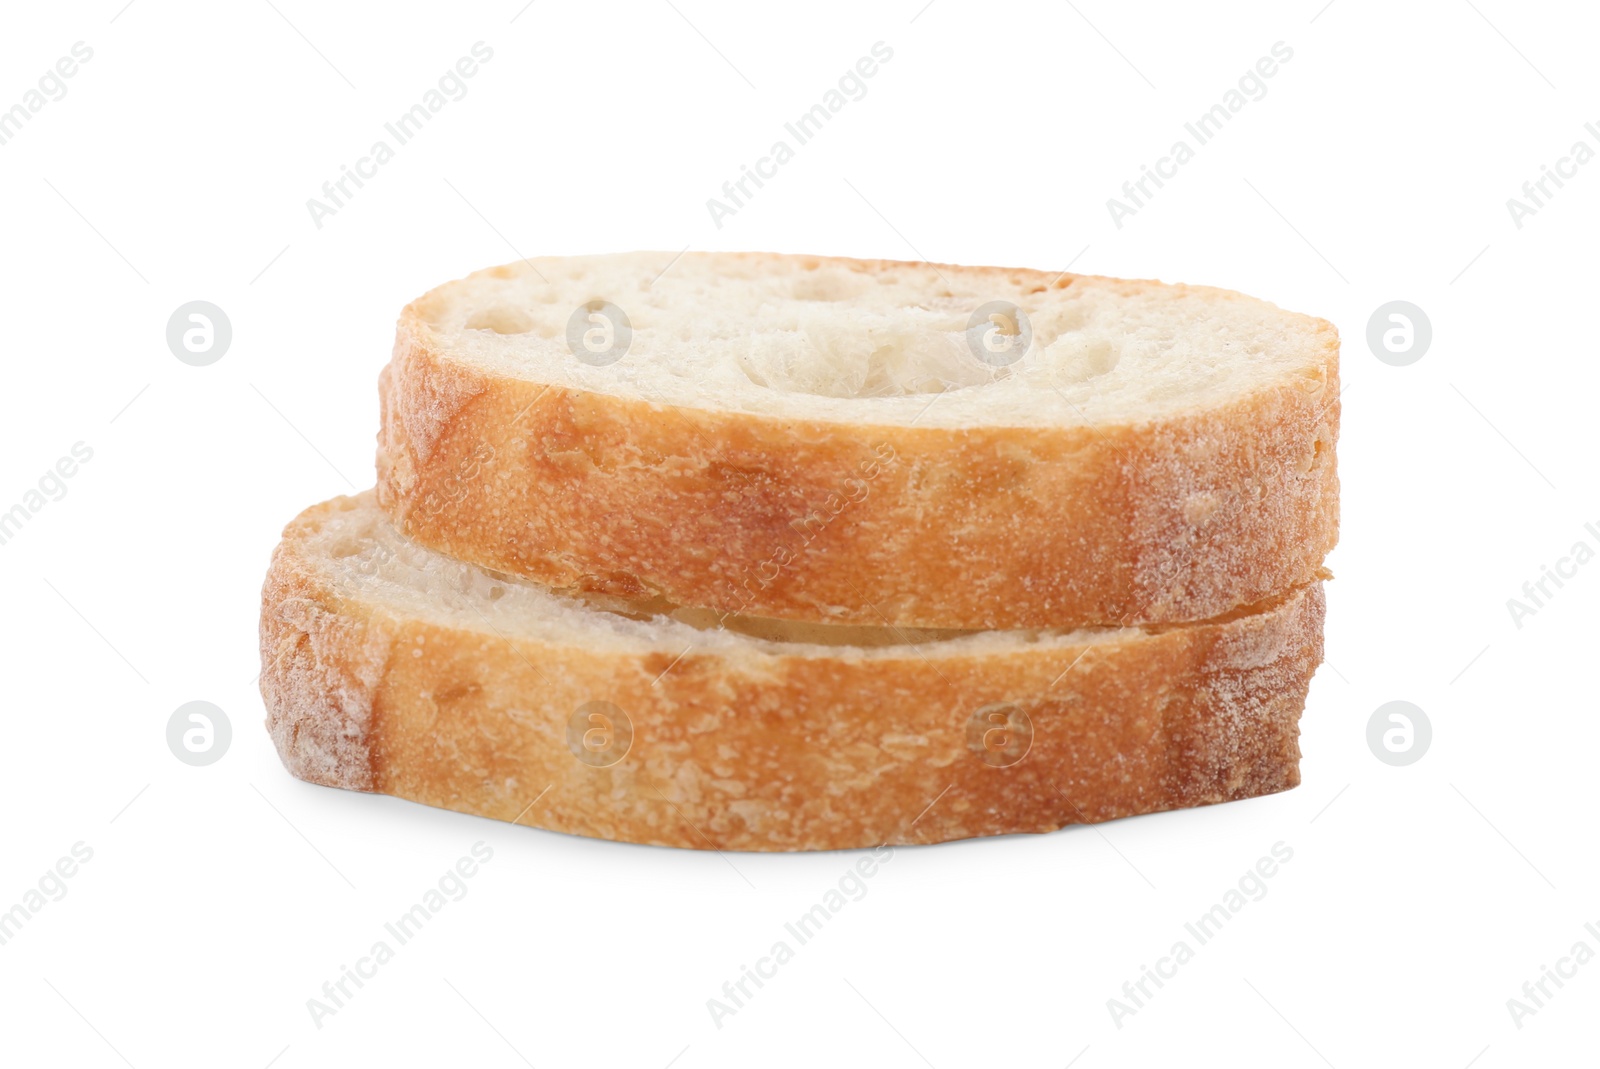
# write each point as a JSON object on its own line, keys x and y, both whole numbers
{"x": 391, "y": 668}
{"x": 866, "y": 442}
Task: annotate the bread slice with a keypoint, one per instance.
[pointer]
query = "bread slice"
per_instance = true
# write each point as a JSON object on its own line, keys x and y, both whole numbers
{"x": 818, "y": 439}
{"x": 390, "y": 668}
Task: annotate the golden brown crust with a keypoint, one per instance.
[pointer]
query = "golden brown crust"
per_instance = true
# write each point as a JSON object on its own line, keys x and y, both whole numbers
{"x": 1178, "y": 519}
{"x": 319, "y": 671}
{"x": 751, "y": 749}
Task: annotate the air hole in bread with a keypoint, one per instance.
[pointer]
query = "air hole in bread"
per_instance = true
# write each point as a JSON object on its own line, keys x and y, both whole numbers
{"x": 344, "y": 547}
{"x": 1309, "y": 459}
{"x": 501, "y": 319}
{"x": 1078, "y": 358}
{"x": 828, "y": 287}
{"x": 869, "y": 356}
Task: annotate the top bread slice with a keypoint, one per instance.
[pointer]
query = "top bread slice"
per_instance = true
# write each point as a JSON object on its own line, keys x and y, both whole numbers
{"x": 866, "y": 442}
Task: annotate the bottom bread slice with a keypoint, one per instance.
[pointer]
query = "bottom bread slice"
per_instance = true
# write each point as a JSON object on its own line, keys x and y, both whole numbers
{"x": 387, "y": 667}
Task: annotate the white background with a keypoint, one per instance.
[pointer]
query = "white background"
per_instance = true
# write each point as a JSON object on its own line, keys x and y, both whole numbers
{"x": 219, "y": 899}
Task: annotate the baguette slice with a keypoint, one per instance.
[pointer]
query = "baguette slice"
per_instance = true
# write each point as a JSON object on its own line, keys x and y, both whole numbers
{"x": 394, "y": 669}
{"x": 818, "y": 440}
